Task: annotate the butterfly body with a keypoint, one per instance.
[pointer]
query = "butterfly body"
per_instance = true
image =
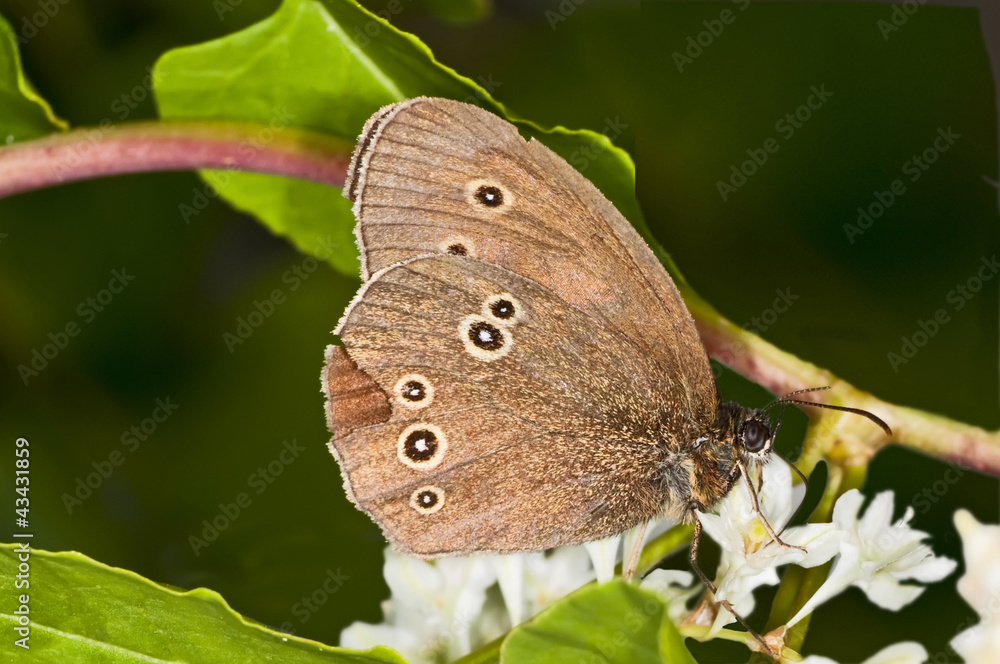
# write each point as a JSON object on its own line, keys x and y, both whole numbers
{"x": 517, "y": 371}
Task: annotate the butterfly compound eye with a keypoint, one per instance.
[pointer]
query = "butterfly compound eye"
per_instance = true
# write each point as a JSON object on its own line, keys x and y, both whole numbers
{"x": 755, "y": 436}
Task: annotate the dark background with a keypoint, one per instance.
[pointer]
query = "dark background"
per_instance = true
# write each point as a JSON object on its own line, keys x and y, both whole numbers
{"x": 163, "y": 336}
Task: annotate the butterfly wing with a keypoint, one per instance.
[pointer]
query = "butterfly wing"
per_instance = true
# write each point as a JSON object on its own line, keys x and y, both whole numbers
{"x": 439, "y": 176}
{"x": 468, "y": 401}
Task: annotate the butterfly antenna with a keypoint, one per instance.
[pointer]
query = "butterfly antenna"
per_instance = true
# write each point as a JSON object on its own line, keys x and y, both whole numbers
{"x": 844, "y": 409}
{"x": 777, "y": 426}
{"x": 783, "y": 399}
{"x": 781, "y": 414}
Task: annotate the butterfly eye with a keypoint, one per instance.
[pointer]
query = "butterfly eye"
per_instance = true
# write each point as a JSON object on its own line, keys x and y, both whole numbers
{"x": 755, "y": 435}
{"x": 502, "y": 309}
{"x": 456, "y": 245}
{"x": 421, "y": 446}
{"x": 486, "y": 336}
{"x": 414, "y": 391}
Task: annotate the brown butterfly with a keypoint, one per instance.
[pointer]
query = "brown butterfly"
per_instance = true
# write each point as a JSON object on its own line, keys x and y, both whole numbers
{"x": 518, "y": 371}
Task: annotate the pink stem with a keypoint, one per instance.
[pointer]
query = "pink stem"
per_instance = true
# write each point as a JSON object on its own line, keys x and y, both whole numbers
{"x": 171, "y": 146}
{"x": 854, "y": 440}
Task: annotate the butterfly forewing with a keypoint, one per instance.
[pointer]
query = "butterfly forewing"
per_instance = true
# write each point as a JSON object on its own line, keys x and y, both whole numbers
{"x": 438, "y": 176}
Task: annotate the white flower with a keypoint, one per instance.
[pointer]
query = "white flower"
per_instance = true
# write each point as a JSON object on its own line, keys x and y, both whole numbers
{"x": 672, "y": 586}
{"x": 436, "y": 610}
{"x": 606, "y": 553}
{"x": 907, "y": 652}
{"x": 749, "y": 555}
{"x": 442, "y": 610}
{"x": 876, "y": 555}
{"x": 530, "y": 582}
{"x": 551, "y": 577}
{"x": 980, "y": 587}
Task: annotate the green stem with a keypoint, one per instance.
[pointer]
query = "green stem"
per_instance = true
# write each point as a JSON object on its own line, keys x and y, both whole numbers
{"x": 701, "y": 633}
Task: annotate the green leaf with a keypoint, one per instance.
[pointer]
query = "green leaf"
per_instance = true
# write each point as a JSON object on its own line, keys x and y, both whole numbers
{"x": 83, "y": 611}
{"x": 23, "y": 113}
{"x": 672, "y": 648}
{"x": 615, "y": 623}
{"x": 328, "y": 67}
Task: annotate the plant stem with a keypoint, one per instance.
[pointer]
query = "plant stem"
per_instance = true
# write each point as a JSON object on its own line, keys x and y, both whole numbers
{"x": 172, "y": 146}
{"x": 700, "y": 633}
{"x": 159, "y": 146}
{"x": 855, "y": 440}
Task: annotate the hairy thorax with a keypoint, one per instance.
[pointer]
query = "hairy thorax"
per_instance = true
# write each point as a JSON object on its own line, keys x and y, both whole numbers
{"x": 700, "y": 470}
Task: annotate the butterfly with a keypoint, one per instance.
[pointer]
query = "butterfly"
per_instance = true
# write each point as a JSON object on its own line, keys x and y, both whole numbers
{"x": 518, "y": 371}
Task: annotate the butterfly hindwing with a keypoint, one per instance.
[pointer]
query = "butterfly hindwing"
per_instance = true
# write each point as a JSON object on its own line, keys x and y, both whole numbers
{"x": 506, "y": 400}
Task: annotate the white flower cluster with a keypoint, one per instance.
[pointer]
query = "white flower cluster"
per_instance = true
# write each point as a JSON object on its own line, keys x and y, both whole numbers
{"x": 871, "y": 552}
{"x": 980, "y": 587}
{"x": 442, "y": 610}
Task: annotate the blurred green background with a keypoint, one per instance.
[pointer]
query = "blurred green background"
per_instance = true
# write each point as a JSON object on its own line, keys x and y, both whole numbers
{"x": 591, "y": 65}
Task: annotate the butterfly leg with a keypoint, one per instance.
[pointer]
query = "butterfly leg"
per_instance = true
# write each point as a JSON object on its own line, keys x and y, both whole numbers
{"x": 693, "y": 554}
{"x": 693, "y": 557}
{"x": 756, "y": 510}
{"x": 633, "y": 560}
